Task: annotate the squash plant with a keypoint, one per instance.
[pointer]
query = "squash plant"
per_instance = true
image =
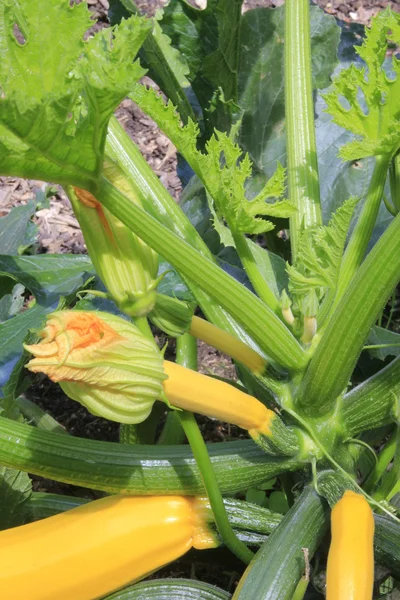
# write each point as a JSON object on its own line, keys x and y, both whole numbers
{"x": 287, "y": 239}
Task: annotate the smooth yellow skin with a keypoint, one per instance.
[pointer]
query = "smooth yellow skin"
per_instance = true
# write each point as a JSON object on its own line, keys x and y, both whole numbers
{"x": 227, "y": 343}
{"x": 198, "y": 393}
{"x": 90, "y": 551}
{"x": 350, "y": 572}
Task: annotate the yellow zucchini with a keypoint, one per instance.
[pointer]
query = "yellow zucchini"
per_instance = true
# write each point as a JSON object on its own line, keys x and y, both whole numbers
{"x": 350, "y": 571}
{"x": 90, "y": 551}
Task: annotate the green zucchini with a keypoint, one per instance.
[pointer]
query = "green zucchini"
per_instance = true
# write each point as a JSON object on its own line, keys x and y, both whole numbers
{"x": 275, "y": 571}
{"x": 133, "y": 469}
{"x": 170, "y": 589}
{"x": 372, "y": 403}
{"x": 387, "y": 544}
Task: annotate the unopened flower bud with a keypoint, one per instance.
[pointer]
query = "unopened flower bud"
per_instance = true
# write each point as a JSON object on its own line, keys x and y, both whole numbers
{"x": 127, "y": 266}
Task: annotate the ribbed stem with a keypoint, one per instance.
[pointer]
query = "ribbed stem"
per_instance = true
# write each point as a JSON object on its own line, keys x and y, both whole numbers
{"x": 227, "y": 343}
{"x": 257, "y": 280}
{"x": 385, "y": 458}
{"x": 362, "y": 232}
{"x": 34, "y": 414}
{"x": 213, "y": 492}
{"x": 336, "y": 355}
{"x": 160, "y": 204}
{"x": 257, "y": 319}
{"x": 301, "y": 149}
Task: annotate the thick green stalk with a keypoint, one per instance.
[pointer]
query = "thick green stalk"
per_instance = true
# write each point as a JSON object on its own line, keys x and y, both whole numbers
{"x": 371, "y": 404}
{"x": 279, "y": 564}
{"x": 362, "y": 232}
{"x": 385, "y": 458}
{"x": 39, "y": 417}
{"x": 394, "y": 172}
{"x": 186, "y": 355}
{"x": 140, "y": 470}
{"x": 160, "y": 204}
{"x": 257, "y": 280}
{"x": 341, "y": 343}
{"x": 257, "y": 319}
{"x": 390, "y": 479}
{"x": 301, "y": 149}
{"x": 204, "y": 464}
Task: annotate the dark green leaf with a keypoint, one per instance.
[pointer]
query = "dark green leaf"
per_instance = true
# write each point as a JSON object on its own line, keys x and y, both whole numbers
{"x": 378, "y": 336}
{"x": 15, "y": 491}
{"x": 12, "y": 335}
{"x": 11, "y": 304}
{"x": 16, "y": 230}
{"x": 49, "y": 276}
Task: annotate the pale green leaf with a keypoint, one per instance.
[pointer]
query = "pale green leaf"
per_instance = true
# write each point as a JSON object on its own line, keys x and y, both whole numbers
{"x": 58, "y": 91}
{"x": 222, "y": 169}
{"x": 320, "y": 255}
{"x": 364, "y": 100}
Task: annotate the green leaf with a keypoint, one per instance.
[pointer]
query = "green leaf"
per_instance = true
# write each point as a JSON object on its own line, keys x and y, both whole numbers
{"x": 379, "y": 336}
{"x": 320, "y": 255}
{"x": 15, "y": 491}
{"x": 11, "y": 304}
{"x": 256, "y": 496}
{"x": 278, "y": 503}
{"x": 209, "y": 41}
{"x": 271, "y": 266}
{"x": 49, "y": 276}
{"x": 222, "y": 169}
{"x": 58, "y": 91}
{"x": 17, "y": 232}
{"x": 364, "y": 100}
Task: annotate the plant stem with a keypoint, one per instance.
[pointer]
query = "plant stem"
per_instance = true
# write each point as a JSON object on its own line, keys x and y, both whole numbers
{"x": 384, "y": 459}
{"x": 210, "y": 483}
{"x": 257, "y": 319}
{"x": 260, "y": 285}
{"x": 39, "y": 417}
{"x": 394, "y": 172}
{"x": 160, "y": 204}
{"x": 301, "y": 149}
{"x": 186, "y": 355}
{"x": 186, "y": 351}
{"x": 390, "y": 479}
{"x": 362, "y": 232}
{"x": 347, "y": 330}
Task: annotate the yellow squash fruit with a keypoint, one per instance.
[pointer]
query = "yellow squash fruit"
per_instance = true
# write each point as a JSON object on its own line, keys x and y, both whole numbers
{"x": 350, "y": 571}
{"x": 90, "y": 551}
